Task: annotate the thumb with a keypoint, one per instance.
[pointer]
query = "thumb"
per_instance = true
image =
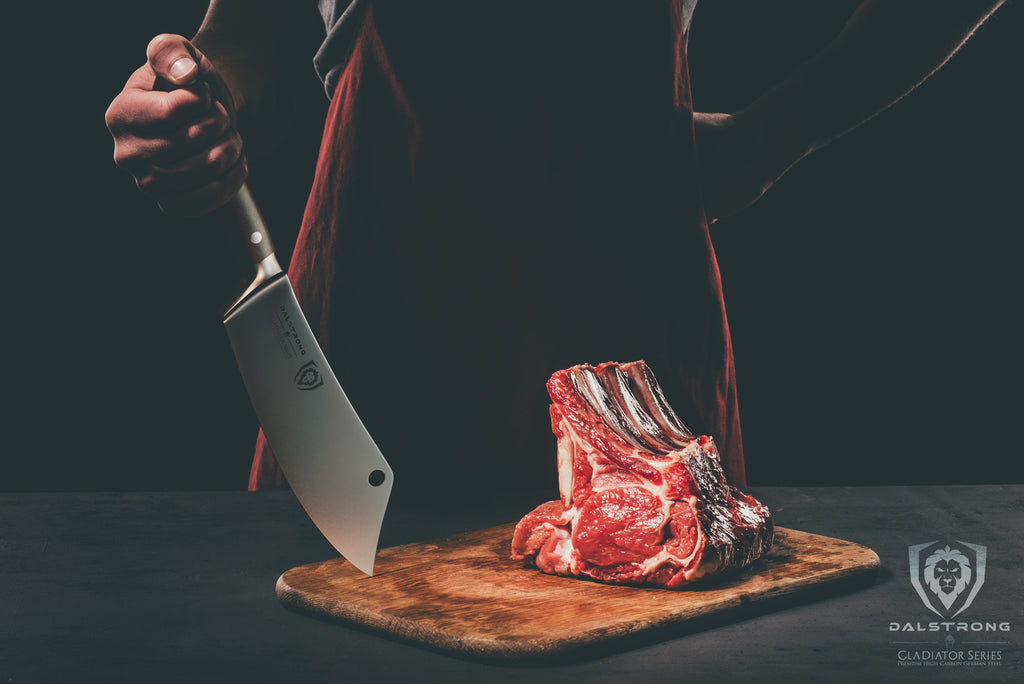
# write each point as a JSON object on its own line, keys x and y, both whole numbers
{"x": 173, "y": 58}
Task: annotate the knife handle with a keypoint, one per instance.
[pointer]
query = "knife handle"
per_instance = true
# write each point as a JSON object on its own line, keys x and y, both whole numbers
{"x": 261, "y": 248}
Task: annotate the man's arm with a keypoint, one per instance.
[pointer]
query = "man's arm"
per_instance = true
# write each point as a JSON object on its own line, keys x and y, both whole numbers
{"x": 249, "y": 41}
{"x": 887, "y": 48}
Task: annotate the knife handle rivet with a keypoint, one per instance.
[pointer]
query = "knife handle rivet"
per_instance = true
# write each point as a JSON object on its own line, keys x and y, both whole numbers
{"x": 377, "y": 478}
{"x": 256, "y": 238}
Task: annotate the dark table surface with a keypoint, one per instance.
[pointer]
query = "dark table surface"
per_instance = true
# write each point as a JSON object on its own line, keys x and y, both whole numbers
{"x": 179, "y": 587}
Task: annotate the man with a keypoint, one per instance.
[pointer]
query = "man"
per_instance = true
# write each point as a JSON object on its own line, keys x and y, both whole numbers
{"x": 505, "y": 192}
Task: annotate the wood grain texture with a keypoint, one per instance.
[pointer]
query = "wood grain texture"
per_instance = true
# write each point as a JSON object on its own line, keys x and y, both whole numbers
{"x": 463, "y": 595}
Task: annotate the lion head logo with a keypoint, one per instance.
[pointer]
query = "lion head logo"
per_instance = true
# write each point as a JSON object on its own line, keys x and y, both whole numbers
{"x": 947, "y": 572}
{"x": 947, "y": 577}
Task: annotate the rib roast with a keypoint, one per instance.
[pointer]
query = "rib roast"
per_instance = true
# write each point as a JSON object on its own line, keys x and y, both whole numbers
{"x": 644, "y": 501}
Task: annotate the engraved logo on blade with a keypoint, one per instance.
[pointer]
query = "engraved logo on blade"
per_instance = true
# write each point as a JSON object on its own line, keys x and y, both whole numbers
{"x": 308, "y": 377}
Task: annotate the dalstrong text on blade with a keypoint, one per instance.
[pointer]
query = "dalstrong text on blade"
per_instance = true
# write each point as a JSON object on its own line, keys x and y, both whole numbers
{"x": 288, "y": 331}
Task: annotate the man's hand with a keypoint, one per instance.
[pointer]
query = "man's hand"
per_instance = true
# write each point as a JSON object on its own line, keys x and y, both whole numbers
{"x": 174, "y": 129}
{"x": 737, "y": 165}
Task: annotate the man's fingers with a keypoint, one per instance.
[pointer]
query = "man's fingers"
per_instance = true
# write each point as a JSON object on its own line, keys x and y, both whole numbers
{"x": 176, "y": 63}
{"x": 136, "y": 153}
{"x": 209, "y": 197}
{"x": 173, "y": 59}
{"x": 145, "y": 112}
{"x": 194, "y": 172}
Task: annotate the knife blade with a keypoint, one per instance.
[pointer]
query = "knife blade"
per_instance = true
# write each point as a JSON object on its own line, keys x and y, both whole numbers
{"x": 331, "y": 462}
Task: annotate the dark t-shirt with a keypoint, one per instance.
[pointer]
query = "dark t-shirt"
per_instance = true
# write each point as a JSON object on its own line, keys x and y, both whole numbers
{"x": 505, "y": 191}
{"x": 342, "y": 20}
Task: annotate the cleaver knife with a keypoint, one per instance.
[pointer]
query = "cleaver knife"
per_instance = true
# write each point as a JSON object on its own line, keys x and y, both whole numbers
{"x": 329, "y": 459}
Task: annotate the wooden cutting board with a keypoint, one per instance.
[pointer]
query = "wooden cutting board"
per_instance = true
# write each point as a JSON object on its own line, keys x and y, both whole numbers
{"x": 463, "y": 595}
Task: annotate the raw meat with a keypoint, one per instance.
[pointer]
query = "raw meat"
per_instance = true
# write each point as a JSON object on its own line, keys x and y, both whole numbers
{"x": 643, "y": 500}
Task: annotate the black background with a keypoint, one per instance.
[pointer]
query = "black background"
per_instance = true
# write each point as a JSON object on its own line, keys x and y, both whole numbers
{"x": 873, "y": 294}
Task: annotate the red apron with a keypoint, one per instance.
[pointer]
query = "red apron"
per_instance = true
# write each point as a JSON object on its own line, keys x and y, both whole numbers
{"x": 498, "y": 200}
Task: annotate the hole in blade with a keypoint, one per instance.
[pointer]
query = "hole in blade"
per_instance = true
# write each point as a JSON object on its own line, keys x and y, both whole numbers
{"x": 377, "y": 478}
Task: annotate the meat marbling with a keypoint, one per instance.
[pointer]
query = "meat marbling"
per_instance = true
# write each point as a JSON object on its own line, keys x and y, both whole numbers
{"x": 644, "y": 501}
